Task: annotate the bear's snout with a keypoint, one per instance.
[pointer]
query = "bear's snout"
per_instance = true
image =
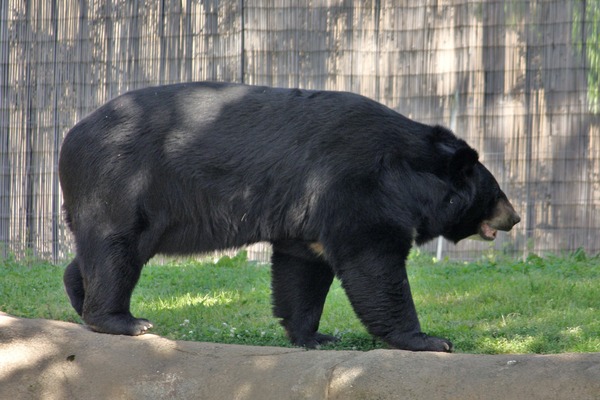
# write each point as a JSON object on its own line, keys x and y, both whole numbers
{"x": 504, "y": 216}
{"x": 515, "y": 219}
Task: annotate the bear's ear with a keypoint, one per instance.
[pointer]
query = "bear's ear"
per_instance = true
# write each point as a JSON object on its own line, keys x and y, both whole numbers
{"x": 463, "y": 161}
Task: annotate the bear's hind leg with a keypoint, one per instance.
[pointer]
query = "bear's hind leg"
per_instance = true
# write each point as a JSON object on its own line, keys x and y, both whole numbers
{"x": 300, "y": 282}
{"x": 73, "y": 282}
{"x": 111, "y": 271}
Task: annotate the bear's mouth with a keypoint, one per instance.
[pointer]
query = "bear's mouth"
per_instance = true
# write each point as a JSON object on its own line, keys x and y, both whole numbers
{"x": 486, "y": 232}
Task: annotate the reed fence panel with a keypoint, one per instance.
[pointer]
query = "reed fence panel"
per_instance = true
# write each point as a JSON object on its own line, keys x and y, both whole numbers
{"x": 519, "y": 80}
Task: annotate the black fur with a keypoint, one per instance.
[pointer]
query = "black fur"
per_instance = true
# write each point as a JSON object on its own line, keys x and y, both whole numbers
{"x": 340, "y": 184}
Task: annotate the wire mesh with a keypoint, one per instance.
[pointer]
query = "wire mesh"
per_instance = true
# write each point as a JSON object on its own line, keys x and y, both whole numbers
{"x": 517, "y": 79}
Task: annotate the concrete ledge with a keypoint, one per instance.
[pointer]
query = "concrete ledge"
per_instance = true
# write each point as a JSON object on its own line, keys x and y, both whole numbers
{"x": 41, "y": 359}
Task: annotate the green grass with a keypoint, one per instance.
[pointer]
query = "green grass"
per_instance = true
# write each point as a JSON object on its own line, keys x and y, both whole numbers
{"x": 541, "y": 305}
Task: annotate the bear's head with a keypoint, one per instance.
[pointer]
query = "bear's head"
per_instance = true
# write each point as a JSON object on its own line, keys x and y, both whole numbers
{"x": 484, "y": 208}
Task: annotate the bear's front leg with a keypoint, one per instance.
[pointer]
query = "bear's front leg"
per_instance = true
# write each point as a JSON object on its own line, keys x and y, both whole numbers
{"x": 373, "y": 274}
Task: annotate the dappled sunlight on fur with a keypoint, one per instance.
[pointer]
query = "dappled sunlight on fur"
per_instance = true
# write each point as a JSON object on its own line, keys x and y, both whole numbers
{"x": 340, "y": 185}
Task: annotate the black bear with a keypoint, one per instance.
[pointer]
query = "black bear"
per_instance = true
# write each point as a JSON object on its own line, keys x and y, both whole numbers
{"x": 339, "y": 184}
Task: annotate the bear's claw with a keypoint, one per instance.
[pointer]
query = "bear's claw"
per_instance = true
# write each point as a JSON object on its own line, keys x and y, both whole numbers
{"x": 314, "y": 341}
{"x": 118, "y": 324}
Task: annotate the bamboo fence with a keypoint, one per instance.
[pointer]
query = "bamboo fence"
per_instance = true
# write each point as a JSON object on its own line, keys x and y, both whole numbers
{"x": 517, "y": 79}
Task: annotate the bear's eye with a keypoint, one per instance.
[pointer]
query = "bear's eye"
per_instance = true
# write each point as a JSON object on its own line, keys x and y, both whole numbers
{"x": 451, "y": 200}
